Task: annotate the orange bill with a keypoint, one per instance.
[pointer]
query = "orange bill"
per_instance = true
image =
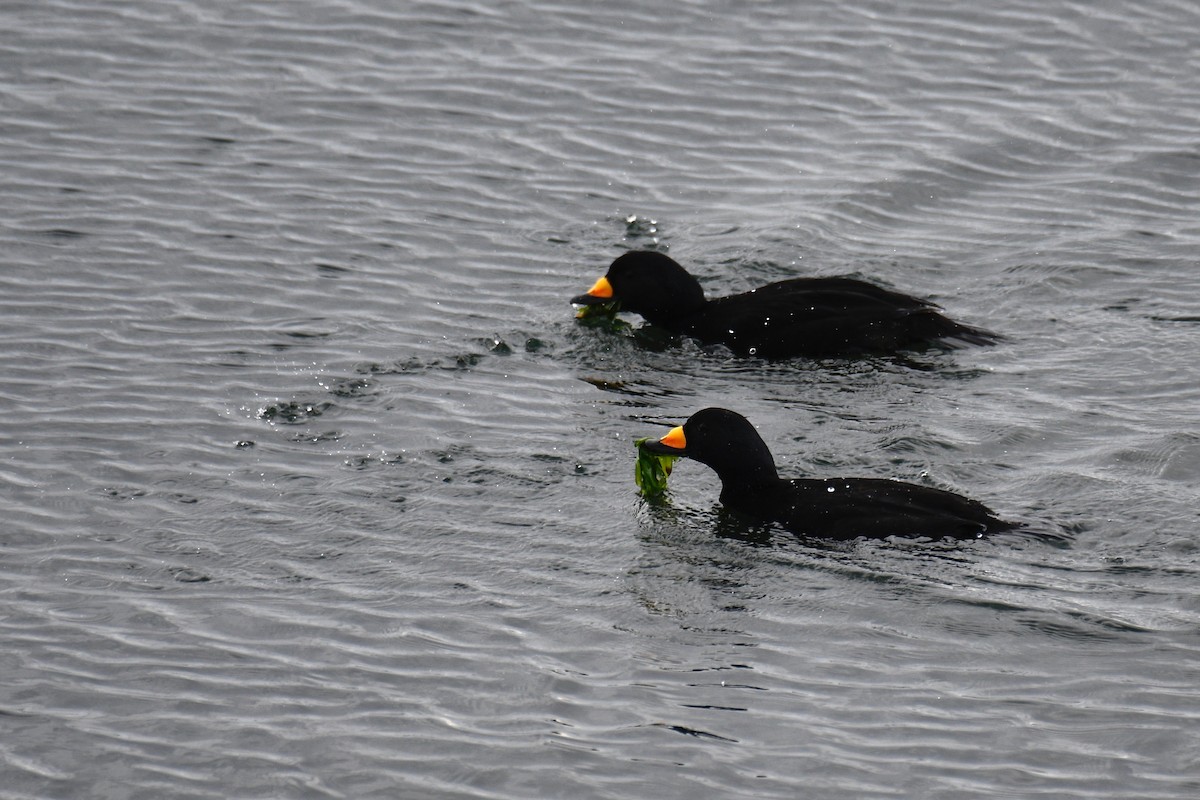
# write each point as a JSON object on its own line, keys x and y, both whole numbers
{"x": 675, "y": 439}
{"x": 601, "y": 288}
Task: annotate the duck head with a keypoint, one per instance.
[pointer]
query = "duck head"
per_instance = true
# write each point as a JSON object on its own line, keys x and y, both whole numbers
{"x": 648, "y": 283}
{"x": 722, "y": 440}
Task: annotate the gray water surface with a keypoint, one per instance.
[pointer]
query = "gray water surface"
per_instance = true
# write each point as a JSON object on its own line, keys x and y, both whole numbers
{"x": 313, "y": 486}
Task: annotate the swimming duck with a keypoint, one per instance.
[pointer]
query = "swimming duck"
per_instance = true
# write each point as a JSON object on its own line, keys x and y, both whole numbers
{"x": 834, "y": 508}
{"x": 809, "y": 317}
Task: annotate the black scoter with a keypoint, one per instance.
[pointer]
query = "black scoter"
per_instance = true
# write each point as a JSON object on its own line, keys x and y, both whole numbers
{"x": 800, "y": 317}
{"x": 834, "y": 508}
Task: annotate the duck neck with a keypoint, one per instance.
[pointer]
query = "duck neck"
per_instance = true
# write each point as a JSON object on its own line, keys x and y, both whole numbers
{"x": 760, "y": 472}
{"x": 675, "y": 297}
{"x": 674, "y": 312}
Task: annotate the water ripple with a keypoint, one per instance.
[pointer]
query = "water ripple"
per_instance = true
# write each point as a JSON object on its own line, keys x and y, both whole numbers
{"x": 315, "y": 488}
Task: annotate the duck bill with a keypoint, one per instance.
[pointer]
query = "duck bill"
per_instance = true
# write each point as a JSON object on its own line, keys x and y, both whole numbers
{"x": 601, "y": 292}
{"x": 673, "y": 444}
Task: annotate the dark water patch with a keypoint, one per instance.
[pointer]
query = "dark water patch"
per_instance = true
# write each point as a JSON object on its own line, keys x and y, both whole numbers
{"x": 1079, "y": 627}
{"x": 643, "y": 232}
{"x": 322, "y": 437}
{"x": 332, "y": 271}
{"x": 350, "y": 388}
{"x": 181, "y": 498}
{"x": 374, "y": 460}
{"x": 61, "y": 235}
{"x": 123, "y": 493}
{"x": 305, "y": 329}
{"x": 293, "y": 412}
{"x": 915, "y": 444}
{"x": 693, "y": 732}
{"x": 460, "y": 362}
{"x": 640, "y": 388}
{"x": 504, "y": 346}
{"x": 497, "y": 346}
{"x": 1190, "y": 320}
{"x": 188, "y": 575}
{"x": 404, "y": 367}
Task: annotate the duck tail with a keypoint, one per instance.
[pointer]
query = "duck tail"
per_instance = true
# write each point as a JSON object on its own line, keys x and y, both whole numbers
{"x": 928, "y": 325}
{"x": 971, "y": 335}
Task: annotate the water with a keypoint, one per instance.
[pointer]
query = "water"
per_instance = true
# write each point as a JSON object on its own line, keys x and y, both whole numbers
{"x": 313, "y": 487}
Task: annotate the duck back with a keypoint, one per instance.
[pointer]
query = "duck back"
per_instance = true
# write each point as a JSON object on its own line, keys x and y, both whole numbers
{"x": 846, "y": 508}
{"x": 817, "y": 317}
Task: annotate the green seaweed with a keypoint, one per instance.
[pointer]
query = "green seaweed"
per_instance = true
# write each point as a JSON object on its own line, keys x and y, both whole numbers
{"x": 599, "y": 312}
{"x": 652, "y": 470}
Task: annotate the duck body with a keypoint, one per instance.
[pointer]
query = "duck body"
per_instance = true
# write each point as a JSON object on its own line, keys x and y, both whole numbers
{"x": 834, "y": 508}
{"x": 800, "y": 317}
{"x": 846, "y": 508}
